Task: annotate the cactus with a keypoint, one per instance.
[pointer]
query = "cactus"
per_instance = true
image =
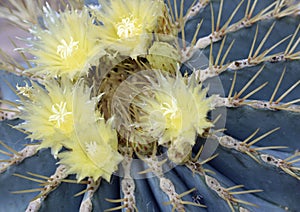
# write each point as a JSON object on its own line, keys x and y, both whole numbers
{"x": 238, "y": 92}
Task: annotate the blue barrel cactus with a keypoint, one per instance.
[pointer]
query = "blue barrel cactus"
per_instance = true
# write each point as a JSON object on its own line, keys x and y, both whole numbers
{"x": 151, "y": 105}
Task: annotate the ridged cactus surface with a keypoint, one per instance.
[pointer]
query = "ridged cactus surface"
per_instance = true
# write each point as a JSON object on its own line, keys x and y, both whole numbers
{"x": 245, "y": 55}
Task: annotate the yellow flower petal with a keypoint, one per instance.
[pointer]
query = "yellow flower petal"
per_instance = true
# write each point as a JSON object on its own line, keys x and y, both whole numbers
{"x": 127, "y": 25}
{"x": 48, "y": 113}
{"x": 93, "y": 151}
{"x": 168, "y": 111}
{"x": 67, "y": 46}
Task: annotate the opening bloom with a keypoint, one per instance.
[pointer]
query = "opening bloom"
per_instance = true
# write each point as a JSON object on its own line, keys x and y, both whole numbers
{"x": 127, "y": 24}
{"x": 49, "y": 112}
{"x": 93, "y": 148}
{"x": 66, "y": 44}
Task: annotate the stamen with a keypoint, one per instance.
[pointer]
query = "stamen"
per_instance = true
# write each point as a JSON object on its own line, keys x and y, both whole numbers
{"x": 66, "y": 50}
{"x": 91, "y": 148}
{"x": 170, "y": 110}
{"x": 128, "y": 27}
{"x": 60, "y": 112}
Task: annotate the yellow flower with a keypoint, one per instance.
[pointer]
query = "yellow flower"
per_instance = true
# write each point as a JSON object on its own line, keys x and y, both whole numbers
{"x": 93, "y": 151}
{"x": 66, "y": 45}
{"x": 48, "y": 113}
{"x": 171, "y": 111}
{"x": 127, "y": 25}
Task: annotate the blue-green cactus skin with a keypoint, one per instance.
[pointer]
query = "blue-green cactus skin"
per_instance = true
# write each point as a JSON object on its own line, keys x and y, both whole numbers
{"x": 281, "y": 192}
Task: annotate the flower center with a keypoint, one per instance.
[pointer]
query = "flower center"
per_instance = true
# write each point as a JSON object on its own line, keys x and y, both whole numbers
{"x": 172, "y": 114}
{"x": 65, "y": 50}
{"x": 59, "y": 113}
{"x": 170, "y": 110}
{"x": 128, "y": 27}
{"x": 91, "y": 148}
{"x": 100, "y": 155}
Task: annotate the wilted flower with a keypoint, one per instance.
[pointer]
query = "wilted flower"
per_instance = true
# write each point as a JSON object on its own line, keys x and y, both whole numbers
{"x": 67, "y": 44}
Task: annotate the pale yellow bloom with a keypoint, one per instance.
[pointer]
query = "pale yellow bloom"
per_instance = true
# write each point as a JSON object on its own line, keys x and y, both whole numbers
{"x": 94, "y": 151}
{"x": 64, "y": 115}
{"x": 67, "y": 46}
{"x": 48, "y": 113}
{"x": 127, "y": 25}
{"x": 171, "y": 111}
